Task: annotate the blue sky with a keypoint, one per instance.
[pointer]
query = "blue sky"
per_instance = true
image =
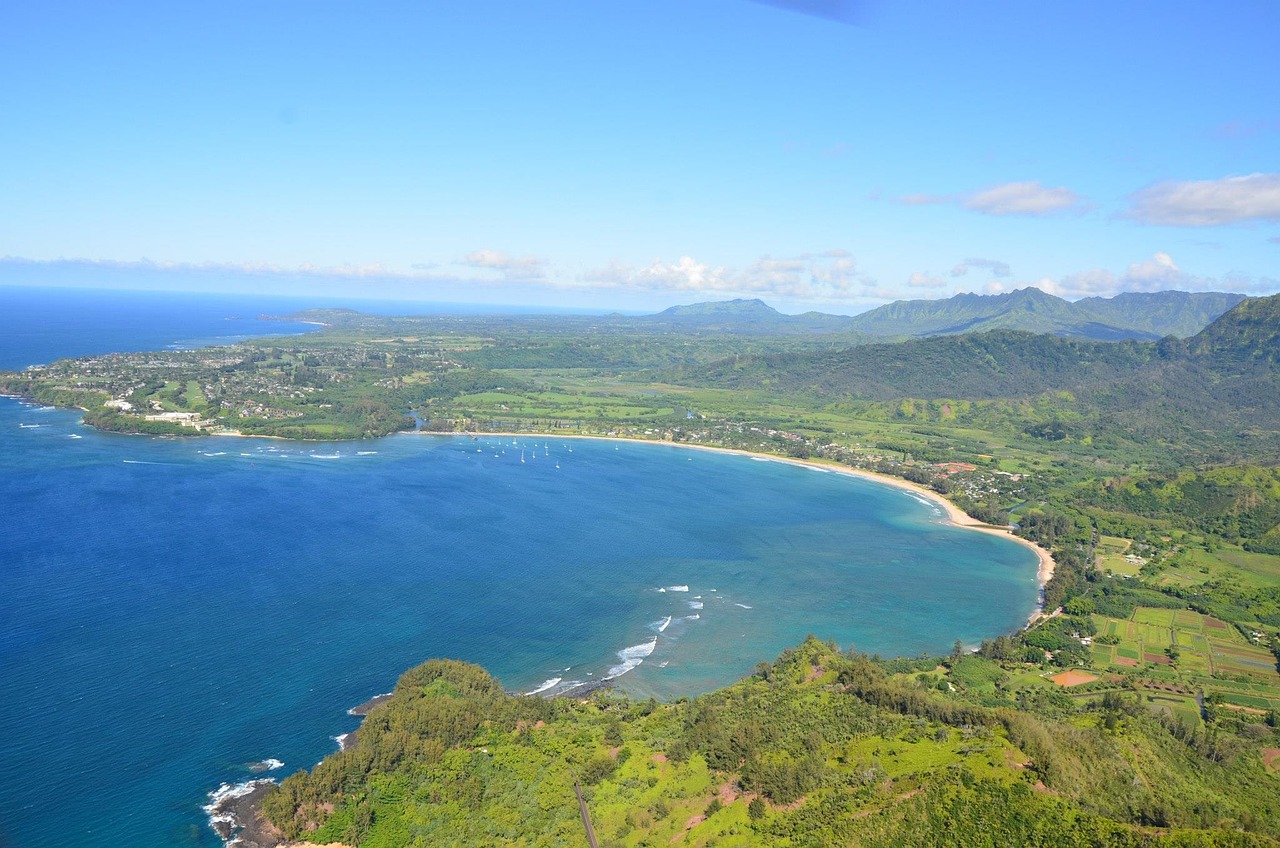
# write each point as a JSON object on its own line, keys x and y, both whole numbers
{"x": 633, "y": 155}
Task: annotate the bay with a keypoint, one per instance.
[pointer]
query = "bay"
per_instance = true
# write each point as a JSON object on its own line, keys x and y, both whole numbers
{"x": 174, "y": 610}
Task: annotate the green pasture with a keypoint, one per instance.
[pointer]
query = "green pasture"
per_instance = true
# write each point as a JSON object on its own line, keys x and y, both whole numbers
{"x": 1196, "y": 566}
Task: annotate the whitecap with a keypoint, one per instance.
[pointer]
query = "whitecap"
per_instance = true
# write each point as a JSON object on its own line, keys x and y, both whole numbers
{"x": 545, "y": 685}
{"x": 367, "y": 453}
{"x": 695, "y": 605}
{"x": 677, "y": 588}
{"x": 744, "y": 606}
{"x": 325, "y": 455}
{"x": 661, "y": 625}
{"x": 693, "y": 617}
{"x": 631, "y": 657}
{"x": 269, "y": 764}
{"x": 74, "y": 436}
{"x": 341, "y": 739}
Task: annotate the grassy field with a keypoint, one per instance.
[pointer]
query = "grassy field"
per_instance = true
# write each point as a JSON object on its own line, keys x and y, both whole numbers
{"x": 1111, "y": 556}
{"x": 1195, "y": 566}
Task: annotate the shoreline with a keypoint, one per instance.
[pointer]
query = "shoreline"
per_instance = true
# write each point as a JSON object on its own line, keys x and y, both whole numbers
{"x": 953, "y": 514}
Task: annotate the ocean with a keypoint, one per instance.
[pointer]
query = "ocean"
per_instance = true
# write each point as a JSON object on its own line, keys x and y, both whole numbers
{"x": 176, "y": 613}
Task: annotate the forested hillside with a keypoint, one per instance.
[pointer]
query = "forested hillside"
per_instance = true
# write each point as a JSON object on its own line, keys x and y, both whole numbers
{"x": 819, "y": 748}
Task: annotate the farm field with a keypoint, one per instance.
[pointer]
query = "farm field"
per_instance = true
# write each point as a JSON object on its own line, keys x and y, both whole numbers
{"x": 1183, "y": 648}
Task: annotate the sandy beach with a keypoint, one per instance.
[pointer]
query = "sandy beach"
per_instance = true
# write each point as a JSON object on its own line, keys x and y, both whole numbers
{"x": 954, "y": 514}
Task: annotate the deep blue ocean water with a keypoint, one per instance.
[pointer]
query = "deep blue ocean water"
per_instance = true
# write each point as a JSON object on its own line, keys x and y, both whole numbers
{"x": 173, "y": 610}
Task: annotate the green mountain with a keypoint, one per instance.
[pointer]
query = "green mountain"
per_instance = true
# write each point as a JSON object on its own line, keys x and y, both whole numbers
{"x": 1167, "y": 313}
{"x": 1000, "y": 363}
{"x": 1136, "y": 315}
{"x": 1249, "y": 334}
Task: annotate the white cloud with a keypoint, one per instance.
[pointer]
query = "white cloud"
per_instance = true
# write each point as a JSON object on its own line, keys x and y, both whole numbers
{"x": 1029, "y": 198}
{"x": 685, "y": 274}
{"x": 832, "y": 275}
{"x": 926, "y": 199}
{"x": 1209, "y": 203}
{"x": 511, "y": 267}
{"x": 921, "y": 280}
{"x": 1160, "y": 270}
{"x": 1026, "y": 198}
{"x": 995, "y": 266}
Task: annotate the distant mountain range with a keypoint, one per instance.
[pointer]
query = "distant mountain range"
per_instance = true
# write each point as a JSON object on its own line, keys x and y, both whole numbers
{"x": 1135, "y": 315}
{"x": 1224, "y": 379}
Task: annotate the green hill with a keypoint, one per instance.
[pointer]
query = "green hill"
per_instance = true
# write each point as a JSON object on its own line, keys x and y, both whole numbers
{"x": 1247, "y": 335}
{"x": 819, "y": 748}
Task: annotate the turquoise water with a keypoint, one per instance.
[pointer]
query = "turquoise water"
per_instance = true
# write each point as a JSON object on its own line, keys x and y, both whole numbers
{"x": 173, "y": 610}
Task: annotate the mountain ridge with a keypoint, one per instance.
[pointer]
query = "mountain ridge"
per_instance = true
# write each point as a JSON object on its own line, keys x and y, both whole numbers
{"x": 1144, "y": 316}
{"x": 1130, "y": 315}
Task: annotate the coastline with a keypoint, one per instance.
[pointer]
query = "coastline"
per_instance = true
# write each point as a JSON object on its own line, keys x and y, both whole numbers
{"x": 954, "y": 515}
